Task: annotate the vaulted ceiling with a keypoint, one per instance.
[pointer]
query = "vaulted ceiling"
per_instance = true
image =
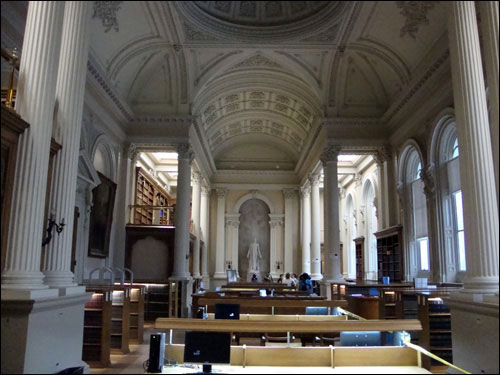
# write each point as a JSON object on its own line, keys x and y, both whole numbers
{"x": 259, "y": 76}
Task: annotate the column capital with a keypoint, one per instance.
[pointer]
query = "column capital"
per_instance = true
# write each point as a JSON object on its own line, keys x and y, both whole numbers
{"x": 426, "y": 174}
{"x": 382, "y": 155}
{"x": 341, "y": 192}
{"x": 205, "y": 190}
{"x": 358, "y": 179}
{"x": 132, "y": 153}
{"x": 305, "y": 191}
{"x": 185, "y": 151}
{"x": 196, "y": 177}
{"x": 221, "y": 193}
{"x": 314, "y": 178}
{"x": 330, "y": 153}
{"x": 289, "y": 193}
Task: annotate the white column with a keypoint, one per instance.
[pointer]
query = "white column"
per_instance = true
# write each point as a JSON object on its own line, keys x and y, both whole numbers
{"x": 489, "y": 32}
{"x": 220, "y": 247}
{"x": 69, "y": 95}
{"x": 204, "y": 220}
{"x": 132, "y": 157}
{"x": 35, "y": 104}
{"x": 181, "y": 247}
{"x": 315, "y": 229}
{"x": 476, "y": 160}
{"x": 276, "y": 244}
{"x": 196, "y": 201}
{"x": 232, "y": 233}
{"x": 331, "y": 211}
{"x": 382, "y": 201}
{"x": 305, "y": 194}
{"x": 288, "y": 195}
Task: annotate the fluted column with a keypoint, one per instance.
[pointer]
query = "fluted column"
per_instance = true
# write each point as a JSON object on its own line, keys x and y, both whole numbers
{"x": 220, "y": 249}
{"x": 35, "y": 104}
{"x": 476, "y": 160}
{"x": 232, "y": 232}
{"x": 69, "y": 95}
{"x": 331, "y": 212}
{"x": 381, "y": 158}
{"x": 315, "y": 229}
{"x": 204, "y": 220}
{"x": 489, "y": 31}
{"x": 276, "y": 244}
{"x": 288, "y": 195}
{"x": 132, "y": 157}
{"x": 196, "y": 201}
{"x": 181, "y": 248}
{"x": 305, "y": 194}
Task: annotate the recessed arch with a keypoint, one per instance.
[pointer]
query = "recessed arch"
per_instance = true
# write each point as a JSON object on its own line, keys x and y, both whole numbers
{"x": 254, "y": 195}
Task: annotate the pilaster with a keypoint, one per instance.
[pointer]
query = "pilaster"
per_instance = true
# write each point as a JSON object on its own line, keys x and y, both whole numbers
{"x": 276, "y": 244}
{"x": 315, "y": 227}
{"x": 305, "y": 195}
{"x": 221, "y": 236}
{"x": 288, "y": 195}
{"x": 196, "y": 212}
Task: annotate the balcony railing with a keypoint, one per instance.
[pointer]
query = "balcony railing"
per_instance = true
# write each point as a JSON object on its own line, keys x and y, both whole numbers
{"x": 152, "y": 215}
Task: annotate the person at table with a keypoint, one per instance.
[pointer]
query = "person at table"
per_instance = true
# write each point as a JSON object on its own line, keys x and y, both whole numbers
{"x": 288, "y": 279}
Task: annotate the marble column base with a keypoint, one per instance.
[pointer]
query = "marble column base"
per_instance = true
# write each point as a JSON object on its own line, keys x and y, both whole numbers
{"x": 42, "y": 335}
{"x": 23, "y": 280}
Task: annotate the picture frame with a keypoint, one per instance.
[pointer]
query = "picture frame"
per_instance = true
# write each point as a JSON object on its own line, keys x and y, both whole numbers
{"x": 232, "y": 277}
{"x": 101, "y": 217}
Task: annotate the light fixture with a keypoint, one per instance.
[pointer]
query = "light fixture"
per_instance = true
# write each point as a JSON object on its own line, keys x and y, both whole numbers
{"x": 52, "y": 223}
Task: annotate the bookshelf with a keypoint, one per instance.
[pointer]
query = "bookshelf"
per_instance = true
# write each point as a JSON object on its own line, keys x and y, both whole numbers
{"x": 97, "y": 328}
{"x": 120, "y": 320}
{"x": 387, "y": 304}
{"x": 390, "y": 253}
{"x": 136, "y": 332}
{"x": 435, "y": 336}
{"x": 160, "y": 300}
{"x": 149, "y": 193}
{"x": 360, "y": 263}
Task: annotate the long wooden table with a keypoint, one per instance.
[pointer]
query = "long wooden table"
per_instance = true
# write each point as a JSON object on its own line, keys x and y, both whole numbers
{"x": 305, "y": 326}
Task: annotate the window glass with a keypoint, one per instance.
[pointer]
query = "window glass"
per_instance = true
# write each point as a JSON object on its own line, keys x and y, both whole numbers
{"x": 419, "y": 168}
{"x": 455, "y": 153}
{"x": 459, "y": 215}
{"x": 423, "y": 245}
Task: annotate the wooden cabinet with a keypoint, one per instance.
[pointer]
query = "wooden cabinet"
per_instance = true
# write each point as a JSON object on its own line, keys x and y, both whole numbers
{"x": 136, "y": 332}
{"x": 387, "y": 304}
{"x": 390, "y": 253}
{"x": 436, "y": 327}
{"x": 97, "y": 328}
{"x": 360, "y": 263}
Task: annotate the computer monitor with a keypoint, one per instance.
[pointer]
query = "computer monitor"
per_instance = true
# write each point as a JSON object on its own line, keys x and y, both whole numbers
{"x": 227, "y": 311}
{"x": 211, "y": 347}
{"x": 262, "y": 292}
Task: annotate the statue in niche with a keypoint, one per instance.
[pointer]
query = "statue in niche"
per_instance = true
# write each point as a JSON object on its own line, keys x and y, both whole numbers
{"x": 254, "y": 256}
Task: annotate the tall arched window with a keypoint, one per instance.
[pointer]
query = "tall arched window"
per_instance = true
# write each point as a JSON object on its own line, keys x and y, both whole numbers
{"x": 445, "y": 156}
{"x": 371, "y": 227}
{"x": 414, "y": 202}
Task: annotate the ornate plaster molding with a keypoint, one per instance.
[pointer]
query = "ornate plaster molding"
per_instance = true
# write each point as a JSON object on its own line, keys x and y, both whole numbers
{"x": 185, "y": 151}
{"x": 106, "y": 12}
{"x": 415, "y": 13}
{"x": 330, "y": 154}
{"x": 289, "y": 193}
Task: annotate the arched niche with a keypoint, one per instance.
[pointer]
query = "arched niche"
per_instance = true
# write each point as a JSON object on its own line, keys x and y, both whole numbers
{"x": 254, "y": 224}
{"x": 254, "y": 195}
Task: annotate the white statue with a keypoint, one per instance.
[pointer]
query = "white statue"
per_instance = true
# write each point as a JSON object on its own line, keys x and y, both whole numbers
{"x": 253, "y": 256}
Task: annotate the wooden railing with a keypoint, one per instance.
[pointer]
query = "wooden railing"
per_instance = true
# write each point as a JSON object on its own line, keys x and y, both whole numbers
{"x": 153, "y": 215}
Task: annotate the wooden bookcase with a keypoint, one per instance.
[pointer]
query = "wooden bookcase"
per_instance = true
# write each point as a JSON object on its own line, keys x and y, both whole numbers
{"x": 390, "y": 253}
{"x": 387, "y": 304}
{"x": 435, "y": 336}
{"x": 160, "y": 301}
{"x": 120, "y": 320}
{"x": 136, "y": 333}
{"x": 360, "y": 262}
{"x": 149, "y": 193}
{"x": 97, "y": 328}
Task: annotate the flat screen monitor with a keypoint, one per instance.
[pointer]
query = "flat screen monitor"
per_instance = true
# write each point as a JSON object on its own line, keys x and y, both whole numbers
{"x": 227, "y": 311}
{"x": 262, "y": 292}
{"x": 211, "y": 347}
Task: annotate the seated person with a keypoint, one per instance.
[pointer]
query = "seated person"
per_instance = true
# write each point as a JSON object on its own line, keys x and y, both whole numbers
{"x": 280, "y": 279}
{"x": 254, "y": 278}
{"x": 288, "y": 280}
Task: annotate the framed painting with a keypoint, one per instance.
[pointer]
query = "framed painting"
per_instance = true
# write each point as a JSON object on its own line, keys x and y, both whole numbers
{"x": 101, "y": 217}
{"x": 232, "y": 277}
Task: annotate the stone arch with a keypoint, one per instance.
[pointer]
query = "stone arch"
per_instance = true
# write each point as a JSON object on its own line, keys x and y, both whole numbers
{"x": 102, "y": 144}
{"x": 254, "y": 195}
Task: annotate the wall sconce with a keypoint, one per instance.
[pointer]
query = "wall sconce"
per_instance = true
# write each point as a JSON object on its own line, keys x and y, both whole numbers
{"x": 50, "y": 228}
{"x": 13, "y": 60}
{"x": 278, "y": 264}
{"x": 229, "y": 264}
